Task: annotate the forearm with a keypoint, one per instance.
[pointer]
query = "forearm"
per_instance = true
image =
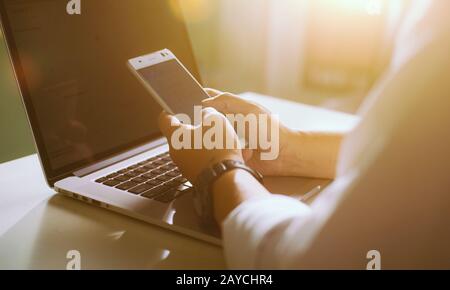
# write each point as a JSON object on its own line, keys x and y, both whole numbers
{"x": 311, "y": 154}
{"x": 232, "y": 189}
{"x": 307, "y": 154}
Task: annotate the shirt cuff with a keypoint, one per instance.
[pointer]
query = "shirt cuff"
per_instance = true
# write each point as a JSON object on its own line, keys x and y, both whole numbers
{"x": 247, "y": 226}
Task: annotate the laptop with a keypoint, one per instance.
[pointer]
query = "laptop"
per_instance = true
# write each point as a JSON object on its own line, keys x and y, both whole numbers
{"x": 94, "y": 125}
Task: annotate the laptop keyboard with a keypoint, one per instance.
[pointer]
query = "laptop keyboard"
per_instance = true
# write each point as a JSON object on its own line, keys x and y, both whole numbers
{"x": 157, "y": 178}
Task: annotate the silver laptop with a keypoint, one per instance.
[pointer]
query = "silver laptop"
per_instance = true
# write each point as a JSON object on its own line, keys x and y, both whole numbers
{"x": 94, "y": 125}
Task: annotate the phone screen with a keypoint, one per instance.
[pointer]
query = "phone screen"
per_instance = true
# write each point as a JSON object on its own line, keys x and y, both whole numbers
{"x": 175, "y": 86}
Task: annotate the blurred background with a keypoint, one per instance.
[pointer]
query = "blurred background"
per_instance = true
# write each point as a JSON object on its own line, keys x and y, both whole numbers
{"x": 327, "y": 53}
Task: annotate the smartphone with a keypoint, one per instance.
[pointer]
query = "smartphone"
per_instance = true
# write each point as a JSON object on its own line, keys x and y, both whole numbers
{"x": 169, "y": 82}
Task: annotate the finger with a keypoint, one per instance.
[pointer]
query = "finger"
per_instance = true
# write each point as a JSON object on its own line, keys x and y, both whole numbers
{"x": 212, "y": 92}
{"x": 227, "y": 103}
{"x": 211, "y": 118}
{"x": 208, "y": 111}
{"x": 219, "y": 102}
{"x": 221, "y": 96}
{"x": 210, "y": 115}
{"x": 168, "y": 124}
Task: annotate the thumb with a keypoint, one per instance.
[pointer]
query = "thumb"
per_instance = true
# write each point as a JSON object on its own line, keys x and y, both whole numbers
{"x": 212, "y": 92}
{"x": 217, "y": 102}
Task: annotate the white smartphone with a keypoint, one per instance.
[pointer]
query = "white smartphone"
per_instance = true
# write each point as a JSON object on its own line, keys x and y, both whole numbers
{"x": 169, "y": 82}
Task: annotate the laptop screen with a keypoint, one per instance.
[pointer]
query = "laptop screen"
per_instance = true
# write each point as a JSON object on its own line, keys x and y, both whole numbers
{"x": 84, "y": 104}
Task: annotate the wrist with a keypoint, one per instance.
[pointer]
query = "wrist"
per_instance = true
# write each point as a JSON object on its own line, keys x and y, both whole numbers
{"x": 222, "y": 179}
{"x": 235, "y": 156}
{"x": 226, "y": 181}
{"x": 232, "y": 189}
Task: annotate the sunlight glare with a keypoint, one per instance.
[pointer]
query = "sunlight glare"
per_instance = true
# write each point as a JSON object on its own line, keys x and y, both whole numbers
{"x": 192, "y": 10}
{"x": 370, "y": 7}
{"x": 374, "y": 7}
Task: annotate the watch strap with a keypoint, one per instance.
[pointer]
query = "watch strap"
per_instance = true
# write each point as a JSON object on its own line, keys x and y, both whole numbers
{"x": 202, "y": 195}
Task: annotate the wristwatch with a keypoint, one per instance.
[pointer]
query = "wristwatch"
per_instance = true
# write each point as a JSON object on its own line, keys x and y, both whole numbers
{"x": 202, "y": 194}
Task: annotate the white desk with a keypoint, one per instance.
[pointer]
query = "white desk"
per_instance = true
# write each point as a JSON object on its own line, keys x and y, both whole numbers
{"x": 38, "y": 228}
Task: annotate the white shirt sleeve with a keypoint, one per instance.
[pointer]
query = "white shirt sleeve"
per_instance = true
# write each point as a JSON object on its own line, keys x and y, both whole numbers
{"x": 254, "y": 222}
{"x": 275, "y": 232}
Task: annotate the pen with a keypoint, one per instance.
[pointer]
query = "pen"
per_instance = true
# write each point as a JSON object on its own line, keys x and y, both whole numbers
{"x": 311, "y": 194}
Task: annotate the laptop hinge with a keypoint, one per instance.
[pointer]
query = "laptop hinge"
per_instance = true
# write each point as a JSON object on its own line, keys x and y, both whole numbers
{"x": 119, "y": 158}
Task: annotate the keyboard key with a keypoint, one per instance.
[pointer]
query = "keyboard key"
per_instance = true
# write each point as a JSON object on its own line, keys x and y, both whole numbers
{"x": 112, "y": 175}
{"x": 132, "y": 174}
{"x": 112, "y": 183}
{"x": 101, "y": 180}
{"x": 181, "y": 179}
{"x": 163, "y": 178}
{"x": 149, "y": 175}
{"x": 139, "y": 180}
{"x": 122, "y": 178}
{"x": 159, "y": 162}
{"x": 127, "y": 185}
{"x": 141, "y": 188}
{"x": 140, "y": 170}
{"x": 173, "y": 174}
{"x": 157, "y": 172}
{"x": 156, "y": 191}
{"x": 150, "y": 166}
{"x": 155, "y": 182}
{"x": 168, "y": 167}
